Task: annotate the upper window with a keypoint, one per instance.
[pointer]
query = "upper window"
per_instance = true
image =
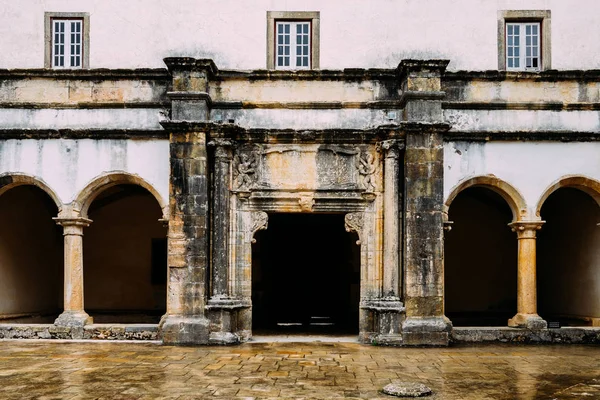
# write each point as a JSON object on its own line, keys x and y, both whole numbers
{"x": 524, "y": 40}
{"x": 67, "y": 40}
{"x": 523, "y": 46}
{"x": 293, "y": 40}
{"x": 293, "y": 44}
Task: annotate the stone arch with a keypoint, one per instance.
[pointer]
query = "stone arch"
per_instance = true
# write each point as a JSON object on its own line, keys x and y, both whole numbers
{"x": 587, "y": 185}
{"x": 511, "y": 195}
{"x": 11, "y": 180}
{"x": 87, "y": 195}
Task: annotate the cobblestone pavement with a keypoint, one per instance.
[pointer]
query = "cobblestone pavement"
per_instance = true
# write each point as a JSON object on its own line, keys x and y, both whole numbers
{"x": 111, "y": 370}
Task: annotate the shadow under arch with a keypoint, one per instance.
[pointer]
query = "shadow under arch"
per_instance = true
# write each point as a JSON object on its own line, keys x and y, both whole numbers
{"x": 587, "y": 185}
{"x": 94, "y": 188}
{"x": 513, "y": 198}
{"x": 10, "y": 180}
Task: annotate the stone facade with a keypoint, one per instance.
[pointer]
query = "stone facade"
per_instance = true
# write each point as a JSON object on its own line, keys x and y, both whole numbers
{"x": 389, "y": 150}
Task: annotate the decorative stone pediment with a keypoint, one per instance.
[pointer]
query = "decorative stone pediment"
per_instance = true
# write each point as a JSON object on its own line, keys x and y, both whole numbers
{"x": 306, "y": 167}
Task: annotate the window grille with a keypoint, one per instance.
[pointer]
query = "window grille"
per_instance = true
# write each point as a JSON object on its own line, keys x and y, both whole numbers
{"x": 523, "y": 46}
{"x": 293, "y": 45}
{"x": 67, "y": 47}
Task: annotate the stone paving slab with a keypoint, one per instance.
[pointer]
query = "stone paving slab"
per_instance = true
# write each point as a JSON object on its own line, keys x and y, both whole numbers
{"x": 119, "y": 370}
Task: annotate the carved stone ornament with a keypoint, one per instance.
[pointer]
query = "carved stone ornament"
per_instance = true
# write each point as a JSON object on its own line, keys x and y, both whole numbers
{"x": 391, "y": 148}
{"x": 244, "y": 169}
{"x": 354, "y": 223}
{"x": 260, "y": 220}
{"x": 367, "y": 165}
{"x": 306, "y": 203}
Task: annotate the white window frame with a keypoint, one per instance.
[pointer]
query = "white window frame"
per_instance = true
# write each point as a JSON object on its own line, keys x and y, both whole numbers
{"x": 311, "y": 17}
{"x": 523, "y": 18}
{"x": 523, "y": 48}
{"x": 287, "y": 46}
{"x": 72, "y": 51}
{"x": 50, "y": 19}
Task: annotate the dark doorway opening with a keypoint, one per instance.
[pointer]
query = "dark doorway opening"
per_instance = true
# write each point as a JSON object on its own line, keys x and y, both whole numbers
{"x": 568, "y": 259}
{"x": 124, "y": 252}
{"x": 305, "y": 276}
{"x": 31, "y": 257}
{"x": 480, "y": 260}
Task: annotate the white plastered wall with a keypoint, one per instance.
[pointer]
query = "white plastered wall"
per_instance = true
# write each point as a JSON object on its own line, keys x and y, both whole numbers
{"x": 68, "y": 165}
{"x": 354, "y": 33}
{"x": 530, "y": 167}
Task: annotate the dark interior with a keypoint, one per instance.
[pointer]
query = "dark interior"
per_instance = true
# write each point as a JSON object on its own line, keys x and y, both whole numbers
{"x": 480, "y": 269}
{"x": 305, "y": 276}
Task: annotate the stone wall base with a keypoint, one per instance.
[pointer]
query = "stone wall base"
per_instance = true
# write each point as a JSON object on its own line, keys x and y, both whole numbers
{"x": 184, "y": 330}
{"x": 575, "y": 335}
{"x": 94, "y": 331}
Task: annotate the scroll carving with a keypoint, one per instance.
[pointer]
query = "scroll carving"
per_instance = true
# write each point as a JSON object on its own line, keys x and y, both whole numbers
{"x": 390, "y": 148}
{"x": 259, "y": 220}
{"x": 354, "y": 223}
{"x": 367, "y": 166}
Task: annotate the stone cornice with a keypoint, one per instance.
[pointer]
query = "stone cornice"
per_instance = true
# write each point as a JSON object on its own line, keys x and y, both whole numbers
{"x": 544, "y": 76}
{"x": 88, "y": 74}
{"x": 82, "y": 134}
{"x": 347, "y": 74}
{"x": 191, "y": 64}
{"x": 486, "y": 136}
{"x": 409, "y": 65}
{"x": 275, "y": 136}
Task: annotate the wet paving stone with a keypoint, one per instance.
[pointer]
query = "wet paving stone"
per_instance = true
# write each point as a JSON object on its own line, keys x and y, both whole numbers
{"x": 109, "y": 370}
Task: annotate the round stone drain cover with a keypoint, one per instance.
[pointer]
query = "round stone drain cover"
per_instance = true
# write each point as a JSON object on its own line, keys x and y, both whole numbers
{"x": 407, "y": 389}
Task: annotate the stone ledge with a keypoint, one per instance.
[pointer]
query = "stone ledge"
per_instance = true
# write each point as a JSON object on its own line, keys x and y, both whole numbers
{"x": 141, "y": 332}
{"x": 572, "y": 335}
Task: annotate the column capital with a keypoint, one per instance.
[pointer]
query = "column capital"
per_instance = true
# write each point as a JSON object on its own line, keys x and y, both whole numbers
{"x": 526, "y": 229}
{"x": 222, "y": 148}
{"x": 390, "y": 147}
{"x": 72, "y": 221}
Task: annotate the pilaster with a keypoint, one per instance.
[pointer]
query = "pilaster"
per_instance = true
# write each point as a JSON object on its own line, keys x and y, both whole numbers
{"x": 222, "y": 305}
{"x": 527, "y": 316}
{"x": 425, "y": 323}
{"x": 190, "y": 100}
{"x": 188, "y": 244}
{"x": 421, "y": 85}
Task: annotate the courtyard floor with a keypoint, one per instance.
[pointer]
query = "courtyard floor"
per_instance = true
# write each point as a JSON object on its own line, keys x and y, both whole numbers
{"x": 287, "y": 370}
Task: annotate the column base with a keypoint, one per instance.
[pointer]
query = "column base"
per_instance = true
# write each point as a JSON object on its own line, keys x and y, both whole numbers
{"x": 181, "y": 329}
{"x": 426, "y": 331}
{"x": 528, "y": 321}
{"x": 73, "y": 319}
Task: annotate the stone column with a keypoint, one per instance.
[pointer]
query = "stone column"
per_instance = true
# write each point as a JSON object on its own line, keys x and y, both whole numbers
{"x": 527, "y": 316}
{"x": 392, "y": 220}
{"x": 425, "y": 323}
{"x": 73, "y": 314}
{"x": 222, "y": 304}
{"x": 220, "y": 218}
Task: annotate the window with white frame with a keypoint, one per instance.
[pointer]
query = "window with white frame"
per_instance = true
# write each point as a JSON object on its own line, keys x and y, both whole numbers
{"x": 67, "y": 40}
{"x": 523, "y": 46}
{"x": 293, "y": 45}
{"x": 524, "y": 40}
{"x": 293, "y": 40}
{"x": 67, "y": 43}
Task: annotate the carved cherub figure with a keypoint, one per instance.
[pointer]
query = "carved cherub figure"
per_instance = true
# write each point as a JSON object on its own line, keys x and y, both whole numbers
{"x": 245, "y": 168}
{"x": 366, "y": 168}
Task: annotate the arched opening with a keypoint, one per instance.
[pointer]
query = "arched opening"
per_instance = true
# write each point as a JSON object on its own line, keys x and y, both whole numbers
{"x": 480, "y": 259}
{"x": 305, "y": 276}
{"x": 125, "y": 251}
{"x": 568, "y": 258}
{"x": 31, "y": 257}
